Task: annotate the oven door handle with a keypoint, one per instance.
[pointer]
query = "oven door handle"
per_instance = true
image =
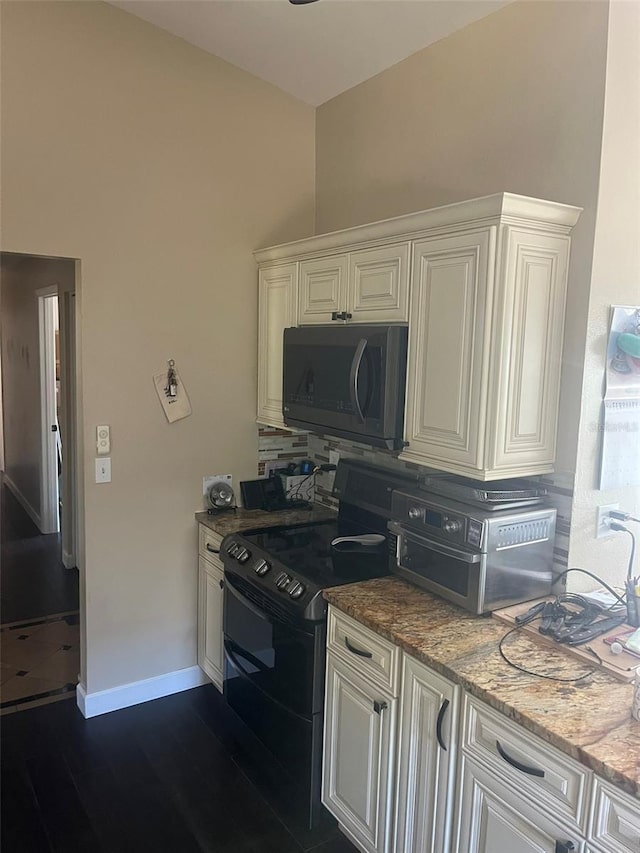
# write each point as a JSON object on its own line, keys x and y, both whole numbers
{"x": 246, "y": 677}
{"x": 245, "y": 601}
{"x": 353, "y": 377}
{"x": 438, "y": 547}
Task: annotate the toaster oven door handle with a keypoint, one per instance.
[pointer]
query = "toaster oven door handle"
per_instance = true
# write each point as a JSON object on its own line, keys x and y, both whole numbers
{"x": 353, "y": 377}
{"x": 438, "y": 547}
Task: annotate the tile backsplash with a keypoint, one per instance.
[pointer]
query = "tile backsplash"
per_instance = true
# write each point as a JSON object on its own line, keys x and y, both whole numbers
{"x": 278, "y": 444}
{"x": 321, "y": 445}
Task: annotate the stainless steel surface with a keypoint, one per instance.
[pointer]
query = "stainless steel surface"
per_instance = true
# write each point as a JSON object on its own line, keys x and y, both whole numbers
{"x": 479, "y": 558}
{"x": 502, "y": 494}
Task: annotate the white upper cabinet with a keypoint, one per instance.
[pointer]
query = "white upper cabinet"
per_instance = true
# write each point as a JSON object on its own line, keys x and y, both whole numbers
{"x": 367, "y": 286}
{"x": 446, "y": 388}
{"x": 485, "y": 345}
{"x": 379, "y": 285}
{"x": 482, "y": 285}
{"x": 323, "y": 289}
{"x": 277, "y": 303}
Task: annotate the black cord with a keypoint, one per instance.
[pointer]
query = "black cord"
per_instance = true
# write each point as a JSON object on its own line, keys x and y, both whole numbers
{"x": 296, "y": 494}
{"x": 620, "y": 600}
{"x": 530, "y": 671}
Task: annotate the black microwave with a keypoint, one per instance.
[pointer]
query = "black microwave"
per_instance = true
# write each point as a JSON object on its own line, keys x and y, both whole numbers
{"x": 346, "y": 381}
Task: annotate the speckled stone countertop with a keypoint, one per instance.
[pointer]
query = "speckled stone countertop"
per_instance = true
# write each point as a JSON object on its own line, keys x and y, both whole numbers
{"x": 253, "y": 519}
{"x": 589, "y": 720}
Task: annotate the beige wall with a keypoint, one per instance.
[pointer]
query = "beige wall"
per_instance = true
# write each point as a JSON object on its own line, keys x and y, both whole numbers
{"x": 615, "y": 280}
{"x": 512, "y": 102}
{"x": 20, "y": 278}
{"x": 161, "y": 168}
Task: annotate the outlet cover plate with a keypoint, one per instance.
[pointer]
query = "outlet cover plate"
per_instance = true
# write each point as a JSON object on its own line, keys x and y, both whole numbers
{"x": 602, "y": 514}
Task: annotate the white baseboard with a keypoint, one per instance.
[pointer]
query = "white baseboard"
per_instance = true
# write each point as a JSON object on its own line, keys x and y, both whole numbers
{"x": 105, "y": 701}
{"x": 24, "y": 503}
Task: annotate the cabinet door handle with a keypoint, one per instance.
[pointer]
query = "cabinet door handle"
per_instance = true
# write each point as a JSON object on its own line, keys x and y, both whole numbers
{"x": 212, "y": 550}
{"x": 356, "y": 651}
{"x": 532, "y": 771}
{"x": 379, "y": 707}
{"x": 221, "y": 583}
{"x": 441, "y": 713}
{"x": 565, "y": 846}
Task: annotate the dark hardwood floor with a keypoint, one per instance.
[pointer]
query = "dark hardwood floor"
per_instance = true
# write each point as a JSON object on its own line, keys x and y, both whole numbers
{"x": 178, "y": 775}
{"x": 181, "y": 774}
{"x": 33, "y": 581}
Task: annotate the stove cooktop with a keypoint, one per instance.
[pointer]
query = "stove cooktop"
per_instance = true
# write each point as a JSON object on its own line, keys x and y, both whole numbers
{"x": 294, "y": 564}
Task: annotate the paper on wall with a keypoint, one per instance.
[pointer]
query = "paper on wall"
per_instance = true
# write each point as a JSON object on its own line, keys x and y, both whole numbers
{"x": 177, "y": 407}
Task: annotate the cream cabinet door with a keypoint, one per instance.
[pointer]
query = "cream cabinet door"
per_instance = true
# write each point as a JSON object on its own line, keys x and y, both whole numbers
{"x": 494, "y": 819}
{"x": 277, "y": 306}
{"x": 358, "y": 756}
{"x": 427, "y": 760}
{"x": 210, "y": 599}
{"x": 448, "y": 350}
{"x": 323, "y": 289}
{"x": 526, "y": 352}
{"x": 378, "y": 290}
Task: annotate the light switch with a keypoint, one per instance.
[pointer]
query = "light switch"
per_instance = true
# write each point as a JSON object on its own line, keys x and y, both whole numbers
{"x": 103, "y": 440}
{"x": 103, "y": 469}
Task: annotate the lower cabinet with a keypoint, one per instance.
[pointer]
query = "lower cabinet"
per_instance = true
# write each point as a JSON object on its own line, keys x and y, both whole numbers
{"x": 210, "y": 597}
{"x": 363, "y": 785}
{"x": 427, "y": 755}
{"x": 359, "y": 738}
{"x": 493, "y": 818}
{"x": 465, "y": 778}
{"x": 210, "y": 600}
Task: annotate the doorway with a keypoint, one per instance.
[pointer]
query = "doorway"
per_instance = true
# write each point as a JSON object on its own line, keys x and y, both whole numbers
{"x": 40, "y": 596}
{"x": 51, "y": 444}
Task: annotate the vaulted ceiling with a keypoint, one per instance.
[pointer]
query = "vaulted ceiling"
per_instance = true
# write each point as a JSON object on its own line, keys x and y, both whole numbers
{"x": 314, "y": 51}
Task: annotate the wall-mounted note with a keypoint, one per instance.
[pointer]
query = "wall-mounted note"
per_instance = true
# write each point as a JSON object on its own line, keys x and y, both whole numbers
{"x": 174, "y": 400}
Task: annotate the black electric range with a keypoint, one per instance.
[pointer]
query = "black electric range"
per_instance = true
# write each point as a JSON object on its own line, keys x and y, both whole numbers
{"x": 275, "y": 617}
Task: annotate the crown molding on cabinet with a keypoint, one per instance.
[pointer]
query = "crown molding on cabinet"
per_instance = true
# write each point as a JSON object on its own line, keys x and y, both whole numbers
{"x": 510, "y": 208}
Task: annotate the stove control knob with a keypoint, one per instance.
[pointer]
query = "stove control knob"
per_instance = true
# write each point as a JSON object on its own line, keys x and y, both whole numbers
{"x": 283, "y": 580}
{"x": 232, "y": 549}
{"x": 261, "y": 568}
{"x": 296, "y": 590}
{"x": 243, "y": 555}
{"x": 452, "y": 525}
{"x": 415, "y": 512}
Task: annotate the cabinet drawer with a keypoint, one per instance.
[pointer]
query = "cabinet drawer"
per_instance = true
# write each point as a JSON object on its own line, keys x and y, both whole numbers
{"x": 539, "y": 771}
{"x": 376, "y": 659}
{"x": 209, "y": 544}
{"x": 615, "y": 819}
{"x": 493, "y": 817}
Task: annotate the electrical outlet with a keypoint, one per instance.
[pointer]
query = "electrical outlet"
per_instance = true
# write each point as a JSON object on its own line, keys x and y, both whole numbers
{"x": 334, "y": 457}
{"x": 602, "y": 520}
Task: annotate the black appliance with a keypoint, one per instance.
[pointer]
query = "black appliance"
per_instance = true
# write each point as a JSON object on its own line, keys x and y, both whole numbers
{"x": 348, "y": 381}
{"x": 275, "y": 618}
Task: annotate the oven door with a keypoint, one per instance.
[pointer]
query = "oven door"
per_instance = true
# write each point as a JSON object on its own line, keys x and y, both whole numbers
{"x": 454, "y": 573}
{"x": 274, "y": 679}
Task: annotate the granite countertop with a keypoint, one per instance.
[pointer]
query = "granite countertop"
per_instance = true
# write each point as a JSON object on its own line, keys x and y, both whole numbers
{"x": 253, "y": 519}
{"x": 589, "y": 720}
